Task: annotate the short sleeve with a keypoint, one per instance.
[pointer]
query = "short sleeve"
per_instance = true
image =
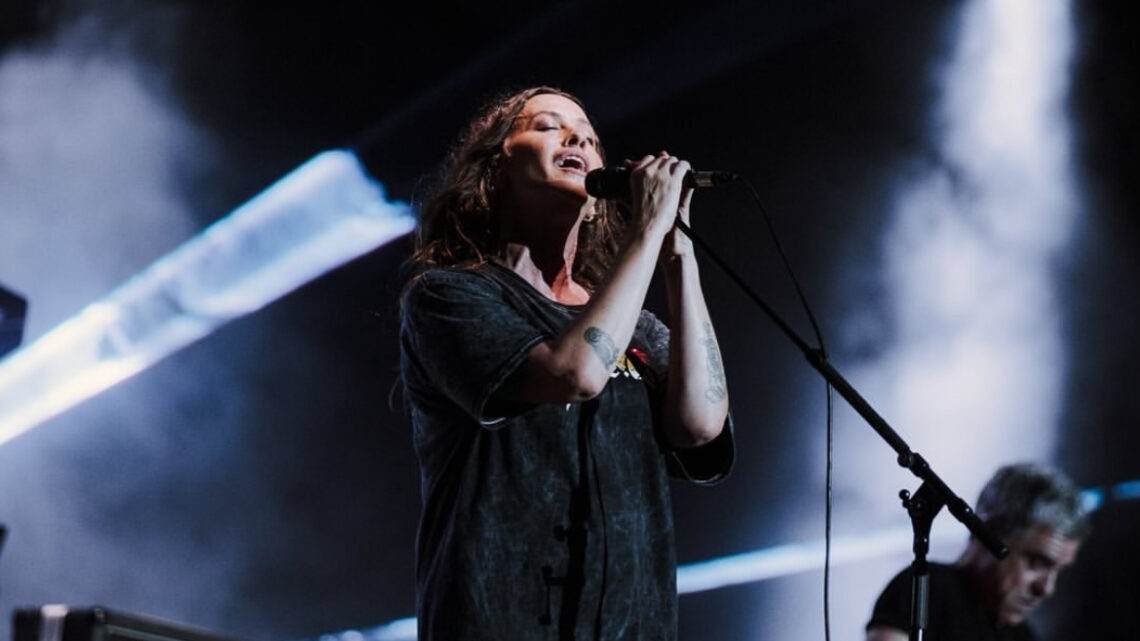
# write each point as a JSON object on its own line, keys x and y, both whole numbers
{"x": 708, "y": 464}
{"x": 462, "y": 338}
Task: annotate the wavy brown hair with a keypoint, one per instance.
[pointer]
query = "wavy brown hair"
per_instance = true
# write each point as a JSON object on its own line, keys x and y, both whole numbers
{"x": 459, "y": 222}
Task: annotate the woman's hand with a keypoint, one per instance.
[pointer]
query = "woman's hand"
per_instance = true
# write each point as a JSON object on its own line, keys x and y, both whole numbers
{"x": 656, "y": 188}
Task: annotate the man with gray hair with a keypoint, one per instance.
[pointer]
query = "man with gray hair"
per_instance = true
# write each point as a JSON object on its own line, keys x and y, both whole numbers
{"x": 1037, "y": 512}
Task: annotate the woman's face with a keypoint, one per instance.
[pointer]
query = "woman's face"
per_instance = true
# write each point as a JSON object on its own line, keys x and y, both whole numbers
{"x": 549, "y": 151}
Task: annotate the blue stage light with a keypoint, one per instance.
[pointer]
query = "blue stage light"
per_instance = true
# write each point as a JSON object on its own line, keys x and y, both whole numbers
{"x": 321, "y": 215}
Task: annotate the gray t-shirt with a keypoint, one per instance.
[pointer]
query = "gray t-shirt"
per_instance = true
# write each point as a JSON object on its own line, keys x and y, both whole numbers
{"x": 539, "y": 521}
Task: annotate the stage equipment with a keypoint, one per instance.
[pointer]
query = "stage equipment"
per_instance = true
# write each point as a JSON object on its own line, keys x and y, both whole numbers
{"x": 63, "y": 623}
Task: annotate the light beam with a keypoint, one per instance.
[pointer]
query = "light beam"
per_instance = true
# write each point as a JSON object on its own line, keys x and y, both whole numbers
{"x": 321, "y": 215}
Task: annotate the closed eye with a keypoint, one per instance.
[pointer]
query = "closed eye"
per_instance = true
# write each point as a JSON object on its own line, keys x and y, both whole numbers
{"x": 1040, "y": 561}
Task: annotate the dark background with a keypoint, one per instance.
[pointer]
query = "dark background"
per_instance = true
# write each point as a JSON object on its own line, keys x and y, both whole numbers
{"x": 261, "y": 482}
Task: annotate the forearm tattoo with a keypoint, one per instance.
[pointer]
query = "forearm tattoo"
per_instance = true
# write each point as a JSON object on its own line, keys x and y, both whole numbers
{"x": 718, "y": 389}
{"x": 603, "y": 346}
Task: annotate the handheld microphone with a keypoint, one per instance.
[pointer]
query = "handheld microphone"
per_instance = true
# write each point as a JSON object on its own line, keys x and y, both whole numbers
{"x": 612, "y": 183}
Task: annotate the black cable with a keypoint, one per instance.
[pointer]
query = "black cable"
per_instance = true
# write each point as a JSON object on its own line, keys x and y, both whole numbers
{"x": 788, "y": 269}
{"x": 827, "y": 526}
{"x": 827, "y": 388}
{"x": 821, "y": 351}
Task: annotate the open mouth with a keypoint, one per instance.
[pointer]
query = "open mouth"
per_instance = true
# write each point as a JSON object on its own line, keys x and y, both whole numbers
{"x": 1022, "y": 608}
{"x": 573, "y": 162}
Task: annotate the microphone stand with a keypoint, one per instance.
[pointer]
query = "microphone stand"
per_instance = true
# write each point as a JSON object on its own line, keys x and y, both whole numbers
{"x": 931, "y": 496}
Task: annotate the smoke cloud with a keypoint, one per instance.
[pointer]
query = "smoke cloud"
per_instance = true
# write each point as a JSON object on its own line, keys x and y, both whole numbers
{"x": 90, "y": 159}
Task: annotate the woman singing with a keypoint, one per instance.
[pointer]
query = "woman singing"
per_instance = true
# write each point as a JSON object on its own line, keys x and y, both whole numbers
{"x": 548, "y": 408}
